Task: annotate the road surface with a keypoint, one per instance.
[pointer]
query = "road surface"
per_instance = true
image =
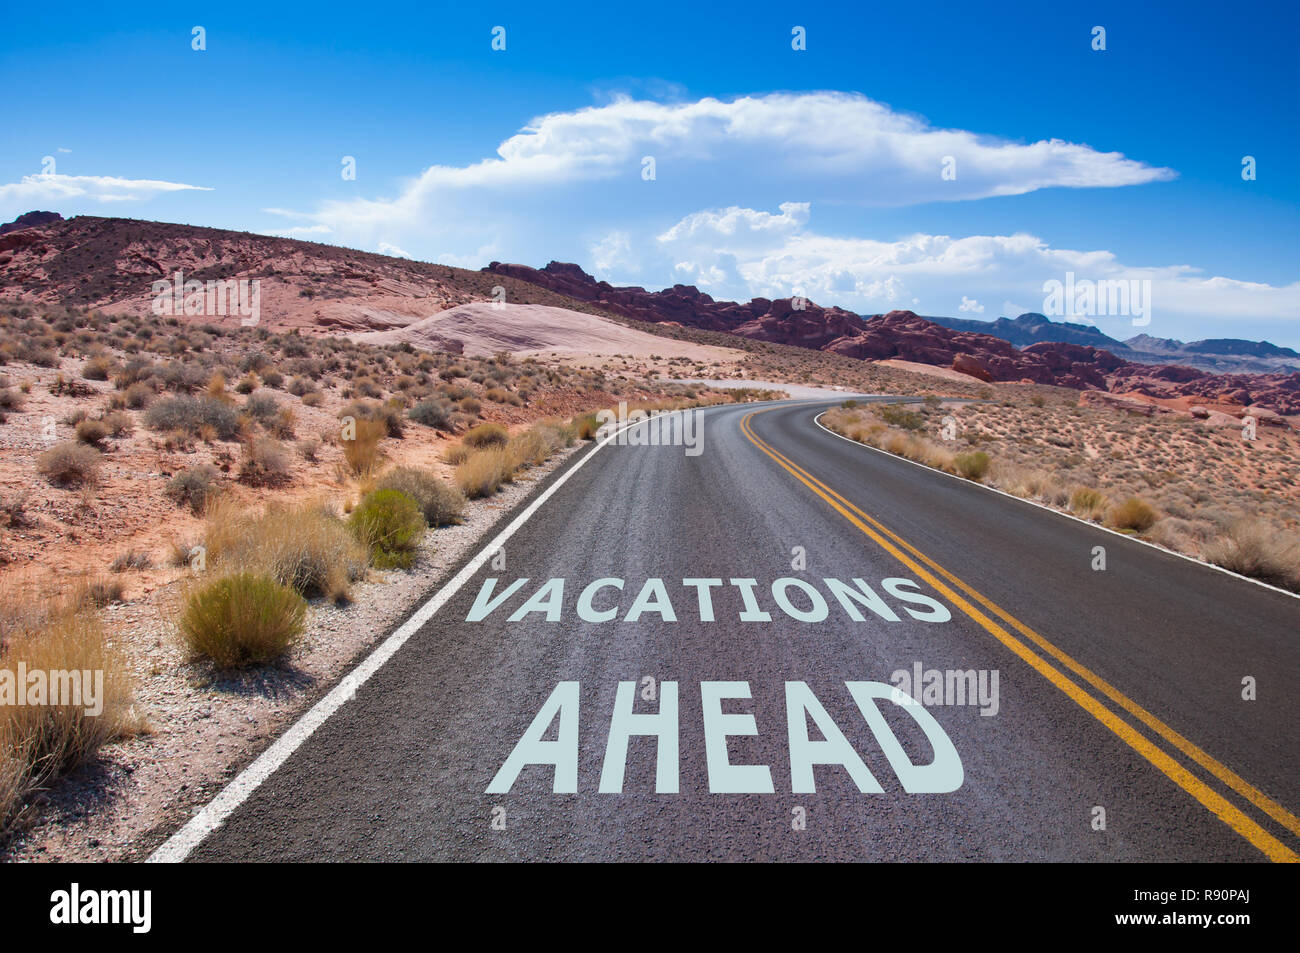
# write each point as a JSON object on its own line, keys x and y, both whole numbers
{"x": 1116, "y": 729}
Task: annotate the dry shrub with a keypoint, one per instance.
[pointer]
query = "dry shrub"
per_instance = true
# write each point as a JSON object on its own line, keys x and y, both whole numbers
{"x": 486, "y": 435}
{"x": 97, "y": 369}
{"x": 137, "y": 396}
{"x": 441, "y": 504}
{"x": 136, "y": 559}
{"x": 1087, "y": 503}
{"x": 1254, "y": 549}
{"x": 92, "y": 432}
{"x": 456, "y": 454}
{"x": 194, "y": 487}
{"x": 530, "y": 448}
{"x": 483, "y": 472}
{"x": 118, "y": 424}
{"x": 586, "y": 426}
{"x": 539, "y": 443}
{"x": 245, "y": 618}
{"x": 306, "y": 547}
{"x": 38, "y": 743}
{"x": 362, "y": 450}
{"x": 70, "y": 463}
{"x": 431, "y": 413}
{"x": 188, "y": 414}
{"x": 1134, "y": 514}
{"x": 265, "y": 462}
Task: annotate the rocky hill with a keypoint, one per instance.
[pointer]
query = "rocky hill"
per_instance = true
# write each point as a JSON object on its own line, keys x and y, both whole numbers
{"x": 112, "y": 263}
{"x": 906, "y": 336}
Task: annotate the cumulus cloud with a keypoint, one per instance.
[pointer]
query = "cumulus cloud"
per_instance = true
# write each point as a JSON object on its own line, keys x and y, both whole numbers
{"x": 740, "y": 253}
{"x": 52, "y": 188}
{"x": 829, "y": 144}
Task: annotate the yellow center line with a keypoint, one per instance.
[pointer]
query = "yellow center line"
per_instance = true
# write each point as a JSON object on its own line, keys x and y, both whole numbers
{"x": 1226, "y": 811}
{"x": 1204, "y": 759}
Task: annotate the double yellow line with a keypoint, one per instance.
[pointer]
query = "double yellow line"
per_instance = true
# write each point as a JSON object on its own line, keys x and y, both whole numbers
{"x": 953, "y": 588}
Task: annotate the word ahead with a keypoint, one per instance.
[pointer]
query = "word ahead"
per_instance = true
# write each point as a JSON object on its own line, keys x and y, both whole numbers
{"x": 943, "y": 775}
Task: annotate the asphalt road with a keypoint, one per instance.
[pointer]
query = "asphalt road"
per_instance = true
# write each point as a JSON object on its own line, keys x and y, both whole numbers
{"x": 1118, "y": 690}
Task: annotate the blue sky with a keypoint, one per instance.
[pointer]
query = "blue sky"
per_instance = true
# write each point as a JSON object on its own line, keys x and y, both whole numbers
{"x": 777, "y": 171}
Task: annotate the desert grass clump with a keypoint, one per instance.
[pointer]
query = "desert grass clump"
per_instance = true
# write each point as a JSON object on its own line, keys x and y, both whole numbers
{"x": 1087, "y": 503}
{"x": 361, "y": 445}
{"x": 118, "y": 424}
{"x": 306, "y": 547}
{"x": 70, "y": 464}
{"x": 486, "y": 435}
{"x": 262, "y": 407}
{"x": 456, "y": 454}
{"x": 433, "y": 414}
{"x": 265, "y": 462}
{"x": 38, "y": 743}
{"x": 1134, "y": 515}
{"x": 97, "y": 369}
{"x": 389, "y": 523}
{"x": 1254, "y": 549}
{"x": 533, "y": 447}
{"x": 483, "y": 472}
{"x": 245, "y": 618}
{"x": 137, "y": 396}
{"x": 92, "y": 432}
{"x": 586, "y": 426}
{"x": 194, "y": 487}
{"x": 972, "y": 466}
{"x": 442, "y": 505}
{"x": 190, "y": 414}
{"x": 135, "y": 559}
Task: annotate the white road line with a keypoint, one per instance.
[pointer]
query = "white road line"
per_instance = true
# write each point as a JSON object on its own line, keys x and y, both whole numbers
{"x": 1070, "y": 516}
{"x": 177, "y": 847}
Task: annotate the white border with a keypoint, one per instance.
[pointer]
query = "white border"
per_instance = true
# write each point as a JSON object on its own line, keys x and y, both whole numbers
{"x": 1044, "y": 506}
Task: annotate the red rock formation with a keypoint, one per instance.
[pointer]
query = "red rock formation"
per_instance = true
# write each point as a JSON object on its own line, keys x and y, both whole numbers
{"x": 966, "y": 364}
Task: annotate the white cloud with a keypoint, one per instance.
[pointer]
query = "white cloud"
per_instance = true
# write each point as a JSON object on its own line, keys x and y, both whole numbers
{"x": 33, "y": 190}
{"x": 611, "y": 254}
{"x": 298, "y": 231}
{"x": 832, "y": 144}
{"x": 386, "y": 249}
{"x": 737, "y": 253}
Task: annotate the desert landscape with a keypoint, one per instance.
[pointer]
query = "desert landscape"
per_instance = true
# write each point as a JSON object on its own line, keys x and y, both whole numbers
{"x": 160, "y": 474}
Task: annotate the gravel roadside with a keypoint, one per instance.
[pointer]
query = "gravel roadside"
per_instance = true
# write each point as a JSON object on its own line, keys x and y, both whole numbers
{"x": 204, "y": 727}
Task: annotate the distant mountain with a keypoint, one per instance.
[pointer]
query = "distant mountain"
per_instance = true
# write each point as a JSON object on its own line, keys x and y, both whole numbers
{"x": 1231, "y": 355}
{"x": 1221, "y": 355}
{"x": 1033, "y": 328}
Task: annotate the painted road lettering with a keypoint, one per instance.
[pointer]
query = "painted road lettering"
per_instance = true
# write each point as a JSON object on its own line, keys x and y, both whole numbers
{"x": 805, "y": 716}
{"x": 698, "y": 598}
